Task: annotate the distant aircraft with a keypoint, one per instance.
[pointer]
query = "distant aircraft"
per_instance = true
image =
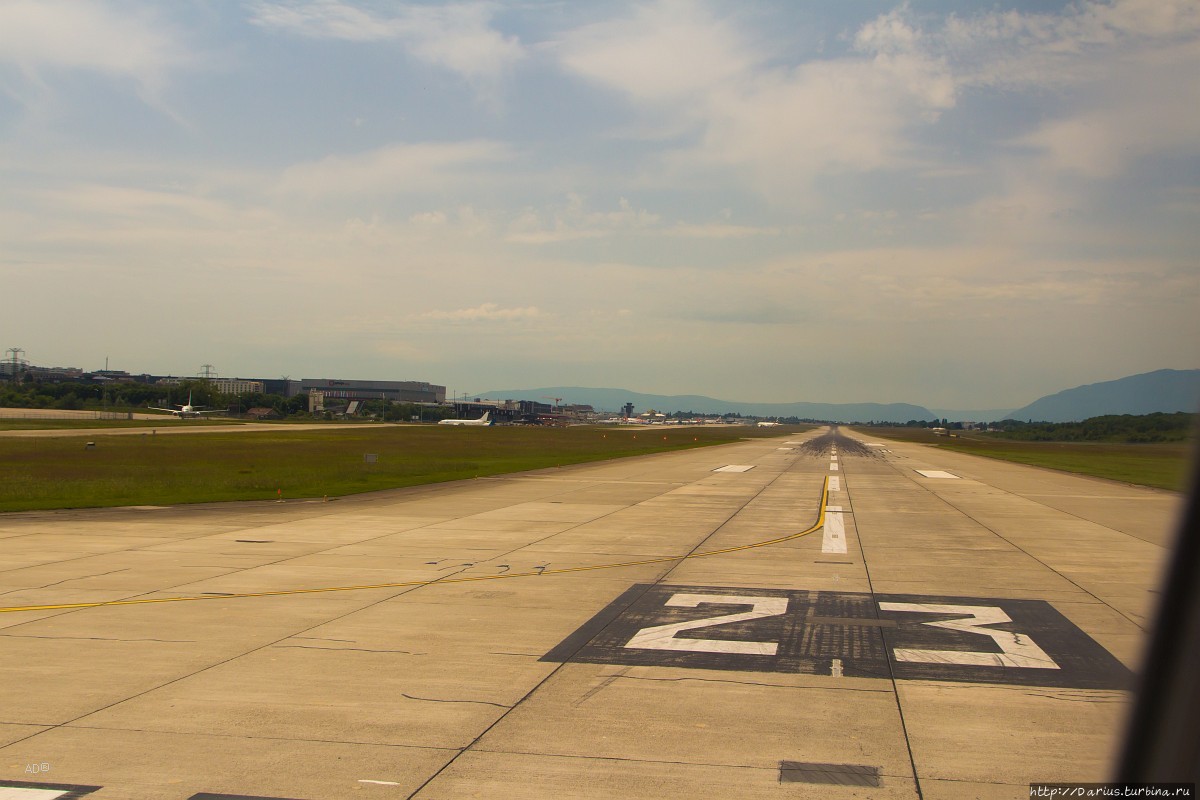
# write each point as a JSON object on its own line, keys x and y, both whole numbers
{"x": 769, "y": 424}
{"x": 484, "y": 420}
{"x": 188, "y": 411}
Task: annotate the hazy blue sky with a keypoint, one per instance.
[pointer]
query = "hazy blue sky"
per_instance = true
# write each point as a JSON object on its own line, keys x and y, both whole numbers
{"x": 930, "y": 202}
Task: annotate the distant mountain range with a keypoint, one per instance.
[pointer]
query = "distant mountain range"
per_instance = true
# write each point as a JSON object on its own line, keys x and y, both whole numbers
{"x": 1166, "y": 390}
{"x": 1163, "y": 390}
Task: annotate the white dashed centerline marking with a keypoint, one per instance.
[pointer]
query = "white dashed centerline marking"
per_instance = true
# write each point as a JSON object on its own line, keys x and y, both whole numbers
{"x": 835, "y": 531}
{"x": 835, "y": 483}
{"x": 833, "y": 467}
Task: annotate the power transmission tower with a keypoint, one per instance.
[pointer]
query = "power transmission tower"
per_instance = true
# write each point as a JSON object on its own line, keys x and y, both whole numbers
{"x": 15, "y": 363}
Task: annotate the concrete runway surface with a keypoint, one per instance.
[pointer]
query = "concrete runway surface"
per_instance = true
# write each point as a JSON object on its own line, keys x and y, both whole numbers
{"x": 957, "y": 628}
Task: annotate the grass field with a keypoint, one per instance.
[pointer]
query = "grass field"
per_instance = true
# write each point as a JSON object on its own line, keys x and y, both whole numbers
{"x": 1163, "y": 466}
{"x": 34, "y": 424}
{"x": 45, "y": 473}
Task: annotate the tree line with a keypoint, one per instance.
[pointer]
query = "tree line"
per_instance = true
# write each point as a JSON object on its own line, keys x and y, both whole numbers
{"x": 1157, "y": 427}
{"x": 97, "y": 395}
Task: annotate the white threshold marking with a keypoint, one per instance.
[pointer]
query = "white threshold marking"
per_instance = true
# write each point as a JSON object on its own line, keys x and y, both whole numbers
{"x": 835, "y": 670}
{"x": 936, "y": 473}
{"x": 835, "y": 483}
{"x": 735, "y": 468}
{"x": 833, "y": 467}
{"x": 835, "y": 531}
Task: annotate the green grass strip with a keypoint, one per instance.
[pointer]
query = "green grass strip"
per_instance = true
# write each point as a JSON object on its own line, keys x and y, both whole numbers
{"x": 1162, "y": 466}
{"x": 61, "y": 472}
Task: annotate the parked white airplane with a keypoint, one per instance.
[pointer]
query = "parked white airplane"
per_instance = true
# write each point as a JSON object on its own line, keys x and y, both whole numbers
{"x": 484, "y": 420}
{"x": 768, "y": 424}
{"x": 188, "y": 411}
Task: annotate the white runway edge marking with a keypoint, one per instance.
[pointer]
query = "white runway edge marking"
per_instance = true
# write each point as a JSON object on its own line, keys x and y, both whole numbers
{"x": 835, "y": 531}
{"x": 835, "y": 483}
{"x": 936, "y": 473}
{"x": 735, "y": 468}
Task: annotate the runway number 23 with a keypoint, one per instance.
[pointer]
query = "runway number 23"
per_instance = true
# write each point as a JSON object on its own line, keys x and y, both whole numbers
{"x": 1017, "y": 649}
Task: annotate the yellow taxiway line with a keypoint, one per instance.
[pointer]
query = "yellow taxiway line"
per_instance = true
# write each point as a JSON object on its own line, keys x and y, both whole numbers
{"x": 563, "y": 571}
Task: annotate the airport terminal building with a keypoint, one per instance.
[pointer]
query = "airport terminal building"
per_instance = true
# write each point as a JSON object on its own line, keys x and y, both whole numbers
{"x": 347, "y": 389}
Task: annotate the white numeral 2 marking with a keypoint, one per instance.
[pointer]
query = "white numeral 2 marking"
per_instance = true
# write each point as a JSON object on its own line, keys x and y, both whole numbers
{"x": 1019, "y": 649}
{"x": 662, "y": 637}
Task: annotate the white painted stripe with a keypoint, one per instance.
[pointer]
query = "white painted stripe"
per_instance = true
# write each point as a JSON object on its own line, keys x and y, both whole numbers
{"x": 835, "y": 531}
{"x": 833, "y": 458}
{"x": 24, "y": 793}
{"x": 836, "y": 668}
{"x": 735, "y": 468}
{"x": 380, "y": 783}
{"x": 833, "y": 467}
{"x": 936, "y": 473}
{"x": 835, "y": 483}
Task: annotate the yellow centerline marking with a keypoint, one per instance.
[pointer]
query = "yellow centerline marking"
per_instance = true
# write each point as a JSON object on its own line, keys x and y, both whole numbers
{"x": 402, "y": 584}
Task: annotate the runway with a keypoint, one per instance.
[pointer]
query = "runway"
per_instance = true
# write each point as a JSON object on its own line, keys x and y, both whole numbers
{"x": 954, "y": 627}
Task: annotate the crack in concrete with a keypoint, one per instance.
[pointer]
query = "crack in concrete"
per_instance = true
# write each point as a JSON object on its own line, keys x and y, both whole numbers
{"x": 437, "y": 700}
{"x": 93, "y": 638}
{"x": 64, "y": 580}
{"x": 343, "y": 649}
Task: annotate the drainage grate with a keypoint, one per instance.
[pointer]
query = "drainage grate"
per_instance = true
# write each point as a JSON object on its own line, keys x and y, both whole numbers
{"x": 839, "y": 774}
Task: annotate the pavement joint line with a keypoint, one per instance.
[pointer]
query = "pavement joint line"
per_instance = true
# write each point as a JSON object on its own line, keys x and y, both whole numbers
{"x": 468, "y": 579}
{"x": 1017, "y": 547}
{"x": 70, "y": 723}
{"x": 912, "y": 758}
{"x": 658, "y": 581}
{"x": 407, "y": 588}
{"x": 214, "y": 596}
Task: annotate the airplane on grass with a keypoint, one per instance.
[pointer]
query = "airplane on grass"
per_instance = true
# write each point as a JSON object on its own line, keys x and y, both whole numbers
{"x": 188, "y": 411}
{"x": 484, "y": 420}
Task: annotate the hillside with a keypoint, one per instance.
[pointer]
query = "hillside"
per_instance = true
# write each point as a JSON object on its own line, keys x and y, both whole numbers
{"x": 1165, "y": 390}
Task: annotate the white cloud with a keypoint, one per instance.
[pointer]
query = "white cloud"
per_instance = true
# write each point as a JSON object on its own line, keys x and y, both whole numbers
{"x": 42, "y": 35}
{"x": 776, "y": 126}
{"x": 395, "y": 169}
{"x": 457, "y": 37}
{"x": 664, "y": 51}
{"x": 487, "y": 312}
{"x": 572, "y": 220}
{"x": 719, "y": 231}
